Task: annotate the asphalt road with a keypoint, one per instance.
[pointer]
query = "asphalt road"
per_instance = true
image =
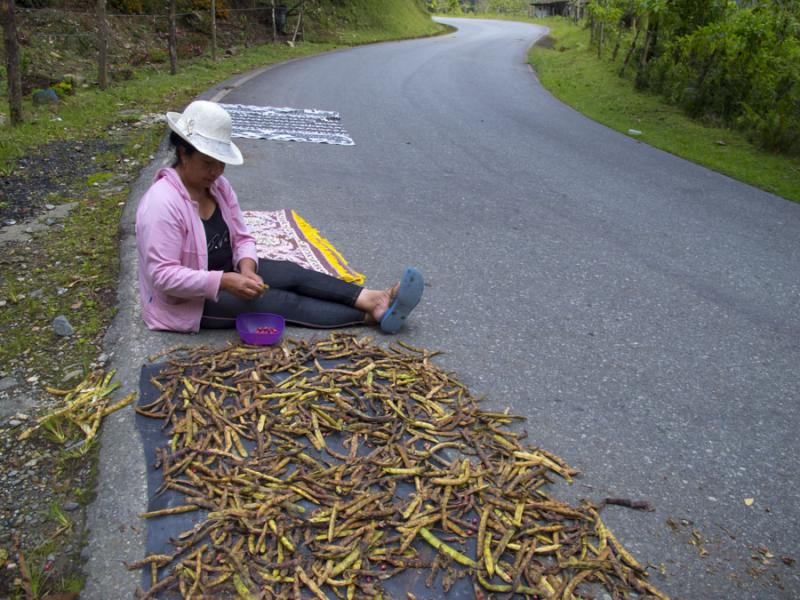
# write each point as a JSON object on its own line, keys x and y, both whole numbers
{"x": 641, "y": 310}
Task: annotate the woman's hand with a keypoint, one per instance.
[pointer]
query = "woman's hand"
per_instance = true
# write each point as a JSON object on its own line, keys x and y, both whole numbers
{"x": 249, "y": 284}
{"x": 243, "y": 285}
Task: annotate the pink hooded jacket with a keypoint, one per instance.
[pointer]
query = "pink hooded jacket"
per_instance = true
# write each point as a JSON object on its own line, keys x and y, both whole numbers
{"x": 174, "y": 280}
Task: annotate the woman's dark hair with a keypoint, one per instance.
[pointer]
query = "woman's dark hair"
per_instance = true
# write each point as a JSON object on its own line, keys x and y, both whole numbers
{"x": 179, "y": 143}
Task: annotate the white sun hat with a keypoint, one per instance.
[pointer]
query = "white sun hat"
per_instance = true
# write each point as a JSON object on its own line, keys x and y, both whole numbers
{"x": 207, "y": 127}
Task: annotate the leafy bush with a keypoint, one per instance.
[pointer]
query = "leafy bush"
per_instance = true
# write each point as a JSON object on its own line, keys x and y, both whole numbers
{"x": 742, "y": 70}
{"x": 731, "y": 64}
{"x": 63, "y": 89}
{"x": 157, "y": 55}
{"x": 512, "y": 7}
{"x": 129, "y": 7}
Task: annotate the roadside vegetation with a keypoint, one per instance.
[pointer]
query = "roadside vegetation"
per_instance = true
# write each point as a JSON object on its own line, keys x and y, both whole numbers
{"x": 569, "y": 69}
{"x": 65, "y": 176}
{"x": 714, "y": 82}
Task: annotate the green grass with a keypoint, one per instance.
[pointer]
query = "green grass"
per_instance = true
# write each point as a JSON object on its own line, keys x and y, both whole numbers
{"x": 577, "y": 77}
{"x": 365, "y": 21}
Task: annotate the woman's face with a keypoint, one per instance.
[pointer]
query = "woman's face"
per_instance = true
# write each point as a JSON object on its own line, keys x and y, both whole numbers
{"x": 199, "y": 170}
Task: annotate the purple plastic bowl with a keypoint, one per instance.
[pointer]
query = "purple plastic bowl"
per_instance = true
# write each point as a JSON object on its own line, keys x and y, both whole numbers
{"x": 247, "y": 325}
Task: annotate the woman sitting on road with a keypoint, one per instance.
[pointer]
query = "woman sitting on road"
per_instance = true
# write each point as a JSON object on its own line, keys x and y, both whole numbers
{"x": 197, "y": 262}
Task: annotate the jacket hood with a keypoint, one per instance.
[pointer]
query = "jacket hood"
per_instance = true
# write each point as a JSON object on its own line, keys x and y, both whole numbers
{"x": 171, "y": 175}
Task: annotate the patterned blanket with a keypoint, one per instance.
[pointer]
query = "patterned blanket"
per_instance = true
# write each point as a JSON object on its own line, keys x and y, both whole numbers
{"x": 288, "y": 124}
{"x": 285, "y": 235}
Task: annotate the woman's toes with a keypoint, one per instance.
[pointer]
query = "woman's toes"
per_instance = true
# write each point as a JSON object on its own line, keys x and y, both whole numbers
{"x": 384, "y": 302}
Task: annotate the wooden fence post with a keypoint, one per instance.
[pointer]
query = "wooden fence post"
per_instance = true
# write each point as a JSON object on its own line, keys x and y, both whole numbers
{"x": 102, "y": 59}
{"x": 213, "y": 29}
{"x": 299, "y": 21}
{"x": 13, "y": 69}
{"x": 173, "y": 39}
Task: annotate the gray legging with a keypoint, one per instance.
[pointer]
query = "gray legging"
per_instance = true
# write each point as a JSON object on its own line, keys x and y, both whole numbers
{"x": 301, "y": 296}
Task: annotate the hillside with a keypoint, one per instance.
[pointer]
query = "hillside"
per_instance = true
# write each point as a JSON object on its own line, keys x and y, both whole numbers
{"x": 60, "y": 43}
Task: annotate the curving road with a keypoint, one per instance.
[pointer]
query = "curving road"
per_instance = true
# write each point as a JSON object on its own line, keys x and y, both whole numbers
{"x": 642, "y": 311}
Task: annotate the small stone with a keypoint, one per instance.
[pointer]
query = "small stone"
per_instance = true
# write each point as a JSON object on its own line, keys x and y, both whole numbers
{"x": 46, "y": 96}
{"x": 11, "y": 222}
{"x": 73, "y": 374}
{"x": 32, "y": 379}
{"x": 102, "y": 359}
{"x": 3, "y": 303}
{"x": 36, "y": 294}
{"x": 50, "y": 222}
{"x": 61, "y": 291}
{"x": 6, "y": 383}
{"x": 62, "y": 326}
{"x": 31, "y": 463}
{"x": 71, "y": 506}
{"x": 14, "y": 423}
{"x": 49, "y": 206}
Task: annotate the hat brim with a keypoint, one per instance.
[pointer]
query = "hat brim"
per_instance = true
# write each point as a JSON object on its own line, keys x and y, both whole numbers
{"x": 226, "y": 152}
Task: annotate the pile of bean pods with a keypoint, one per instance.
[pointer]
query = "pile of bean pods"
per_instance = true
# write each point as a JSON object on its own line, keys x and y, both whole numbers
{"x": 84, "y": 407}
{"x": 327, "y": 467}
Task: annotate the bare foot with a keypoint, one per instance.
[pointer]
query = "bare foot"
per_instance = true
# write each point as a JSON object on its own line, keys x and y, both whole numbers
{"x": 386, "y": 299}
{"x": 376, "y": 302}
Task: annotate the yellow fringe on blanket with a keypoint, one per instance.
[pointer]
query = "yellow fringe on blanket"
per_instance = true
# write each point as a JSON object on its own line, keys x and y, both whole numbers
{"x": 333, "y": 256}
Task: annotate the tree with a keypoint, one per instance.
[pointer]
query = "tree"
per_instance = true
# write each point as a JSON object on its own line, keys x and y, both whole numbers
{"x": 102, "y": 30}
{"x": 13, "y": 69}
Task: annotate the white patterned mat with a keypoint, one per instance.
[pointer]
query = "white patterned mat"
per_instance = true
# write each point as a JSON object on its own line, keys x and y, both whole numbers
{"x": 288, "y": 124}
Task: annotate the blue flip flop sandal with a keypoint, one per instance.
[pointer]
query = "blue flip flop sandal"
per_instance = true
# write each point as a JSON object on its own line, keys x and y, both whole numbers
{"x": 408, "y": 296}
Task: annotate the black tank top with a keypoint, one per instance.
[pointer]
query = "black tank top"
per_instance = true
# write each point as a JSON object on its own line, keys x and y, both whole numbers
{"x": 218, "y": 236}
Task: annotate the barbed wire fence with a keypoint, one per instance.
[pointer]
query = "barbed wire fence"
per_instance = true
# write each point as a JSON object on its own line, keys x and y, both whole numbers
{"x": 277, "y": 14}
